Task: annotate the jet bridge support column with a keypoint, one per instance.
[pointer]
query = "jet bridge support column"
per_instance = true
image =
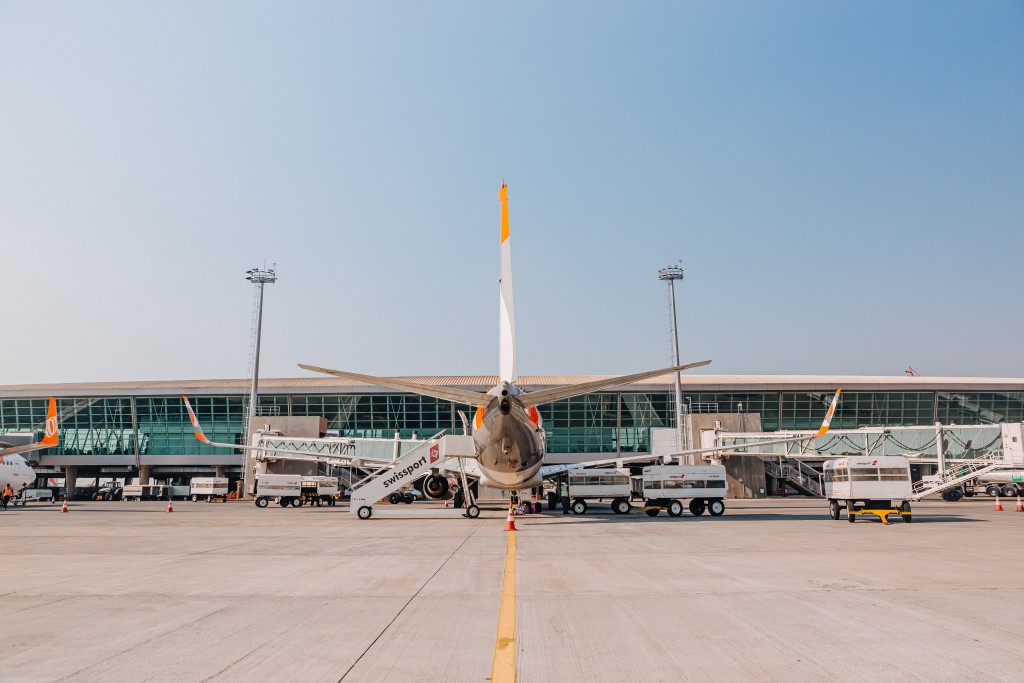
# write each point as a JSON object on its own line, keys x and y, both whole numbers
{"x": 70, "y": 479}
{"x": 144, "y": 474}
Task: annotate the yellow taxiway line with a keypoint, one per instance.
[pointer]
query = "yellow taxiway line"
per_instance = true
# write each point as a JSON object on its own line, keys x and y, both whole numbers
{"x": 503, "y": 670}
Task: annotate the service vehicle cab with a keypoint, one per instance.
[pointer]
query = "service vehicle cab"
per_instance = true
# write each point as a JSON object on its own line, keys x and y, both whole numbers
{"x": 665, "y": 487}
{"x": 599, "y": 484}
{"x": 869, "y": 485}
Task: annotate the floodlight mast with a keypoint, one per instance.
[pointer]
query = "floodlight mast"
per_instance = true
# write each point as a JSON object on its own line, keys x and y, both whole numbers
{"x": 259, "y": 277}
{"x": 670, "y": 274}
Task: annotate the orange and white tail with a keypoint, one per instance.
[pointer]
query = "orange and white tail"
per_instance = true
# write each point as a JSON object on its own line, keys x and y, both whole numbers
{"x": 50, "y": 439}
{"x": 507, "y": 319}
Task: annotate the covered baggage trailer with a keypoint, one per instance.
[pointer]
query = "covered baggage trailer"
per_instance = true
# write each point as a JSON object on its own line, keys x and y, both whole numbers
{"x": 599, "y": 484}
{"x": 868, "y": 485}
{"x": 145, "y": 492}
{"x": 319, "y": 491}
{"x": 665, "y": 487}
{"x": 208, "y": 488}
{"x": 286, "y": 489}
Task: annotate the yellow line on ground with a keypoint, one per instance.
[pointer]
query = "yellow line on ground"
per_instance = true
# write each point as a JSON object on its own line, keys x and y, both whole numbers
{"x": 503, "y": 670}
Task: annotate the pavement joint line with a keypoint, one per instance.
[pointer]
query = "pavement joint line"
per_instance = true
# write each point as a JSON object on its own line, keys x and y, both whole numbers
{"x": 503, "y": 669}
{"x": 409, "y": 602}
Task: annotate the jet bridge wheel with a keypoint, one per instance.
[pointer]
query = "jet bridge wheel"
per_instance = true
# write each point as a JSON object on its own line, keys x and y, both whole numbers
{"x": 472, "y": 512}
{"x": 365, "y": 512}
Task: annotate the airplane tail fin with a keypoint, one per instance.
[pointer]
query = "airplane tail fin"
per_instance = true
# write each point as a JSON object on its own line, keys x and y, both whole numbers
{"x": 507, "y": 319}
{"x": 827, "y": 422}
{"x": 50, "y": 439}
{"x": 196, "y": 427}
{"x": 536, "y": 398}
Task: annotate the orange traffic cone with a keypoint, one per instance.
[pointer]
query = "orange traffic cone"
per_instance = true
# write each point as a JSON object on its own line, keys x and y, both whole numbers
{"x": 446, "y": 502}
{"x": 64, "y": 507}
{"x": 170, "y": 507}
{"x": 999, "y": 506}
{"x": 510, "y": 521}
{"x": 1020, "y": 508}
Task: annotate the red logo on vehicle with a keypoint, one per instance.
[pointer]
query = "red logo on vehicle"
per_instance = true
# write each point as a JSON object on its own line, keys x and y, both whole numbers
{"x": 874, "y": 462}
{"x": 435, "y": 453}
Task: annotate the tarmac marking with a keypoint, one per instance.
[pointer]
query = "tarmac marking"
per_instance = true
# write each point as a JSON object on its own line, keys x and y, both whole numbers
{"x": 503, "y": 670}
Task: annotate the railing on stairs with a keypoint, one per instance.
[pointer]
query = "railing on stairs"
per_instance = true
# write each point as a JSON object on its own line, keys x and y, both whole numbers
{"x": 798, "y": 473}
{"x": 957, "y": 473}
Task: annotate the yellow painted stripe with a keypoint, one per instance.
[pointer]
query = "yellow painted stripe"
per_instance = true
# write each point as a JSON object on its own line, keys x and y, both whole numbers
{"x": 503, "y": 670}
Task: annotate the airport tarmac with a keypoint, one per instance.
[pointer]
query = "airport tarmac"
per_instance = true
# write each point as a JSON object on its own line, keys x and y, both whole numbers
{"x": 772, "y": 591}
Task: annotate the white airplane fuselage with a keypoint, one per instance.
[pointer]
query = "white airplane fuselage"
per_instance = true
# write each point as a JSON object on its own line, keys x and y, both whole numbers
{"x": 509, "y": 441}
{"x": 14, "y": 470}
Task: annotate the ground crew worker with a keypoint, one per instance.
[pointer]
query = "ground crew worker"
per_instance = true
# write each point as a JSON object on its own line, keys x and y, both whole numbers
{"x": 8, "y": 494}
{"x": 565, "y": 496}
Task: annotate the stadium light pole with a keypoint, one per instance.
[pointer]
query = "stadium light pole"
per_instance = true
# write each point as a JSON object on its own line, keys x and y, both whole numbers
{"x": 669, "y": 275}
{"x": 259, "y": 277}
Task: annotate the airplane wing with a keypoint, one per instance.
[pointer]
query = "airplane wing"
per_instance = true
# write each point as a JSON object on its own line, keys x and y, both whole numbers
{"x": 551, "y": 470}
{"x": 473, "y": 398}
{"x": 536, "y": 398}
{"x": 49, "y": 439}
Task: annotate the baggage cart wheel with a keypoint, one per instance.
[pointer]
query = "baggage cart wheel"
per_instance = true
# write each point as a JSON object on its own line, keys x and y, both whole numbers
{"x": 261, "y": 502}
{"x": 697, "y": 507}
{"x": 652, "y": 512}
{"x": 332, "y": 502}
{"x": 472, "y": 512}
{"x": 851, "y": 514}
{"x": 195, "y": 498}
{"x": 408, "y": 498}
{"x": 395, "y": 498}
{"x": 833, "y": 509}
{"x": 283, "y": 502}
{"x": 579, "y": 507}
{"x": 319, "y": 502}
{"x": 365, "y": 512}
{"x": 716, "y": 508}
{"x": 296, "y": 502}
{"x": 621, "y": 506}
{"x": 675, "y": 508}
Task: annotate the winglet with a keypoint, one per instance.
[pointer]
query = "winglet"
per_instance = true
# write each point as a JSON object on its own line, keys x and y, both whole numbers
{"x": 51, "y": 425}
{"x": 828, "y": 416}
{"x": 195, "y": 422}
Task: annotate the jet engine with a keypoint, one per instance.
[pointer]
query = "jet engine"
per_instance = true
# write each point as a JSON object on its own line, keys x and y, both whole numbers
{"x": 435, "y": 486}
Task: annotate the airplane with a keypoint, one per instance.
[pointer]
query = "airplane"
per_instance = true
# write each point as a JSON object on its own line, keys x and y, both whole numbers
{"x": 14, "y": 469}
{"x": 507, "y": 429}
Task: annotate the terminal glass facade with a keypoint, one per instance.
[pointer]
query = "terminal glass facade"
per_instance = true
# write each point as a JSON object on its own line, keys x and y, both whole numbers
{"x": 606, "y": 422}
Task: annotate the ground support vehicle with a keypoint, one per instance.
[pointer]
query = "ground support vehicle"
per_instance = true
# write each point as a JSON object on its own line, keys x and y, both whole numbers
{"x": 286, "y": 489}
{"x": 208, "y": 488}
{"x": 110, "y": 491}
{"x": 868, "y": 485}
{"x": 33, "y": 495}
{"x": 318, "y": 491}
{"x": 1006, "y": 483}
{"x": 666, "y": 487}
{"x": 599, "y": 484}
{"x": 145, "y": 492}
{"x": 407, "y": 495}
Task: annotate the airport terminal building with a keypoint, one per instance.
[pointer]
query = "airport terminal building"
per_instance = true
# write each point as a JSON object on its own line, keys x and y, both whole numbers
{"x": 116, "y": 428}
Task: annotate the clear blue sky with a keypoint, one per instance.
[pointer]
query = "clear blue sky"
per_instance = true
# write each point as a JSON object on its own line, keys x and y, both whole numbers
{"x": 843, "y": 182}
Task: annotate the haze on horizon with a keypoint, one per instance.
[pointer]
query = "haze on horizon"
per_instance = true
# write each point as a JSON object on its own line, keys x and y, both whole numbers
{"x": 842, "y": 182}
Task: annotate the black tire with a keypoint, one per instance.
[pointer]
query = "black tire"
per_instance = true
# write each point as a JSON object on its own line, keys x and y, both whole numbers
{"x": 395, "y": 498}
{"x": 992, "y": 490}
{"x": 365, "y": 512}
{"x": 283, "y": 502}
{"x": 716, "y": 507}
{"x": 195, "y": 498}
{"x": 697, "y": 507}
{"x": 472, "y": 512}
{"x": 850, "y": 516}
{"x": 262, "y": 502}
{"x": 1009, "y": 491}
{"x": 296, "y": 502}
{"x": 652, "y": 512}
{"x": 955, "y": 495}
{"x": 675, "y": 508}
{"x": 579, "y": 507}
{"x": 621, "y": 506}
{"x": 332, "y": 502}
{"x": 833, "y": 509}
{"x": 408, "y": 498}
{"x": 319, "y": 502}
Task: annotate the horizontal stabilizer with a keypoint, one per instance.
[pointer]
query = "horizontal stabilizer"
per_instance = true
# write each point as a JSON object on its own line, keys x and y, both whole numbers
{"x": 536, "y": 398}
{"x": 473, "y": 398}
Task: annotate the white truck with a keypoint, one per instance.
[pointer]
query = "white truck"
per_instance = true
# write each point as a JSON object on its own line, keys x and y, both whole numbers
{"x": 207, "y": 488}
{"x": 599, "y": 484}
{"x": 286, "y": 489}
{"x": 319, "y": 491}
{"x": 872, "y": 485}
{"x": 665, "y": 487}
